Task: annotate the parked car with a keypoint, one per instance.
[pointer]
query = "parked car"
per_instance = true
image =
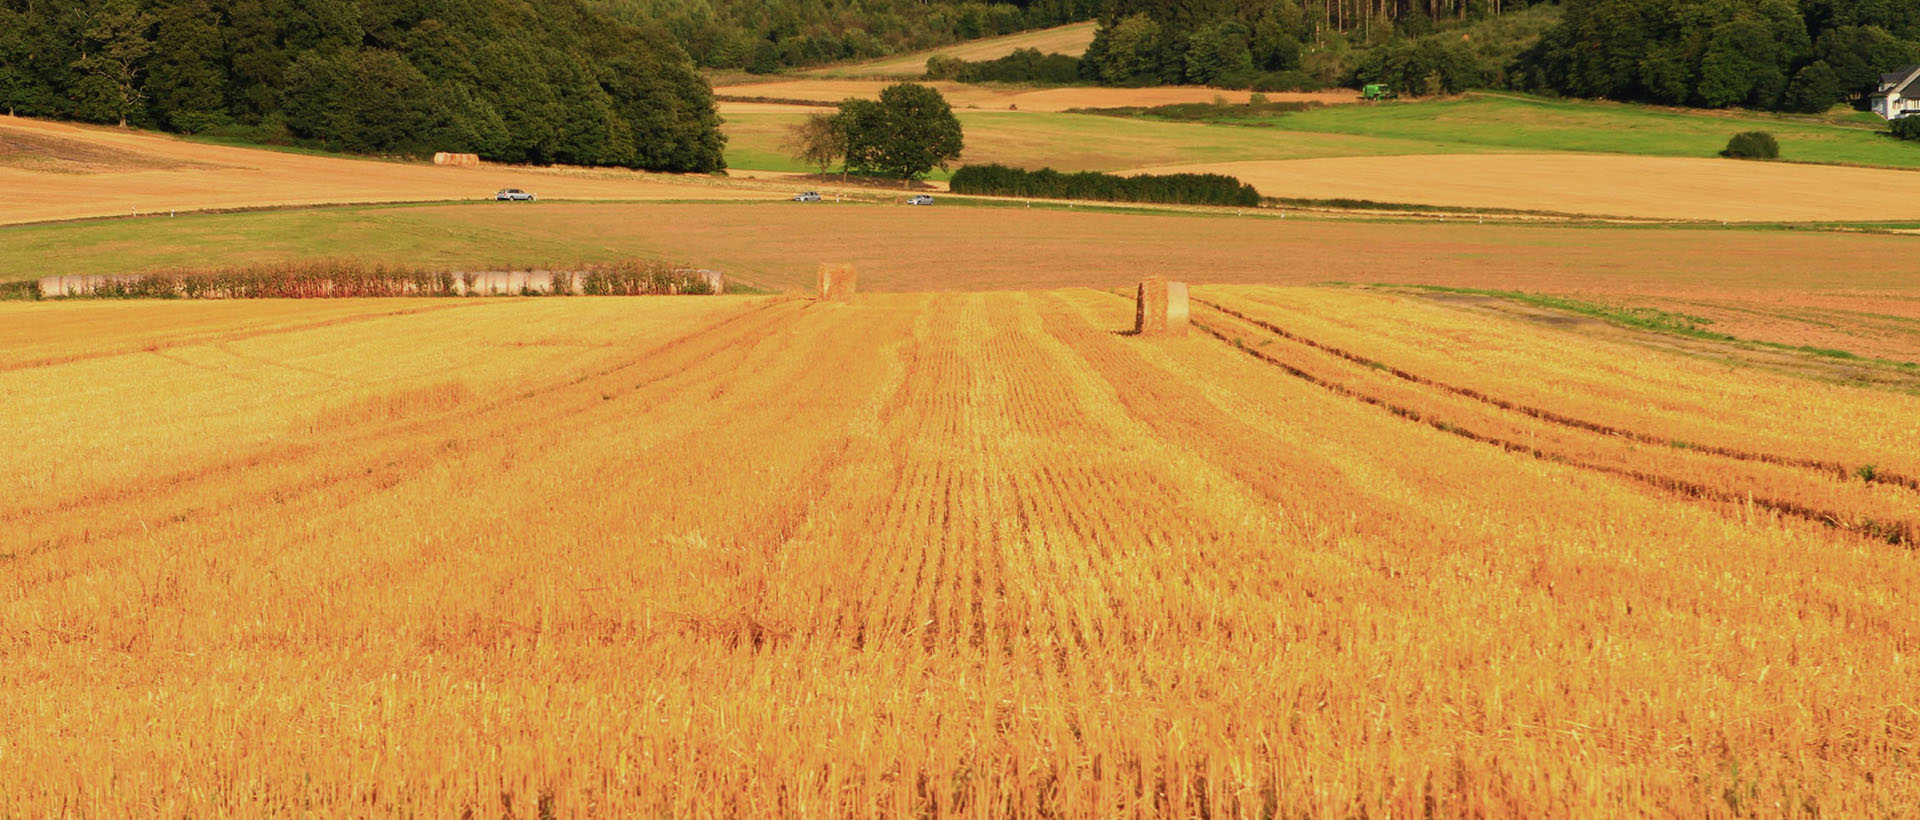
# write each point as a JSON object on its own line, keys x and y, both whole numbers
{"x": 513, "y": 195}
{"x": 920, "y": 199}
{"x": 809, "y": 196}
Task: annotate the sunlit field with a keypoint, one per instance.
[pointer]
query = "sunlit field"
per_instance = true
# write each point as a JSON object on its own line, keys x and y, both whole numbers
{"x": 1337, "y": 552}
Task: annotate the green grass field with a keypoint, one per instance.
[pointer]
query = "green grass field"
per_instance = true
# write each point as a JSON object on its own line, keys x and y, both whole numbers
{"x": 1477, "y": 123}
{"x": 421, "y": 234}
{"x": 1489, "y": 122}
{"x": 1508, "y": 122}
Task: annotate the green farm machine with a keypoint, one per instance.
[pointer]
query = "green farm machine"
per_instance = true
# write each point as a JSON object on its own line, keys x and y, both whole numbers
{"x": 1374, "y": 92}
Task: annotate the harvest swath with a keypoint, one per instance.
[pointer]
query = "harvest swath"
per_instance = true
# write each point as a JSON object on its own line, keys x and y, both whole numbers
{"x": 974, "y": 555}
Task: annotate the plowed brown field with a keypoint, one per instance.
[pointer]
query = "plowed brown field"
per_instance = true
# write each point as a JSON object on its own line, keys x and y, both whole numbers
{"x": 52, "y": 170}
{"x": 1595, "y": 184}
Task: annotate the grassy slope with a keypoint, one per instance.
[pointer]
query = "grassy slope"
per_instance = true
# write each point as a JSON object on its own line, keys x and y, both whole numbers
{"x": 1480, "y": 123}
{"x": 1502, "y": 122}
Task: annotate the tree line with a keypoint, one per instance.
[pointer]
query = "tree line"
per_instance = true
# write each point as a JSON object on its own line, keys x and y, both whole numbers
{"x": 763, "y": 36}
{"x": 1799, "y": 55}
{"x": 542, "y": 81}
{"x": 1046, "y": 183}
{"x": 1271, "y": 46}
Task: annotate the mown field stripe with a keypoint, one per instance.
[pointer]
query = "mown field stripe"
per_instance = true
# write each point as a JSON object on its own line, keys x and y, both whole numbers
{"x": 1898, "y": 533}
{"x": 1837, "y": 469}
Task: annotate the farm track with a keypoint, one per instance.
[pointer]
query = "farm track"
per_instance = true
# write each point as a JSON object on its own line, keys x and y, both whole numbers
{"x": 1839, "y": 503}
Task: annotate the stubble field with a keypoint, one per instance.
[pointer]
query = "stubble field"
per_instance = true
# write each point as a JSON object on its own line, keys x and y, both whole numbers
{"x": 1598, "y": 184}
{"x": 1337, "y": 553}
{"x": 1521, "y": 521}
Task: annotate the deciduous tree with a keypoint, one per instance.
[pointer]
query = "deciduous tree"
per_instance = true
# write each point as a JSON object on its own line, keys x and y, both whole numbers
{"x": 910, "y": 131}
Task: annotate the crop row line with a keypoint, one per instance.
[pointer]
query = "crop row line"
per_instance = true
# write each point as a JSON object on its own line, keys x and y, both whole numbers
{"x": 1836, "y": 468}
{"x": 1900, "y": 533}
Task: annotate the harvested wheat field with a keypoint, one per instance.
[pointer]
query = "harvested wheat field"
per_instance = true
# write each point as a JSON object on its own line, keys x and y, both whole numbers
{"x": 1593, "y": 184}
{"x": 1071, "y": 39}
{"x": 1334, "y": 553}
{"x": 965, "y": 95}
{"x": 53, "y": 170}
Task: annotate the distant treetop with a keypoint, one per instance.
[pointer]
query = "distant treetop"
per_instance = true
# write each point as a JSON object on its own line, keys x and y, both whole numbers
{"x": 543, "y": 81}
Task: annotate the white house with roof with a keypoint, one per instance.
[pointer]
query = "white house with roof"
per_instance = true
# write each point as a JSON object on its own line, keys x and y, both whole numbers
{"x": 1892, "y": 100}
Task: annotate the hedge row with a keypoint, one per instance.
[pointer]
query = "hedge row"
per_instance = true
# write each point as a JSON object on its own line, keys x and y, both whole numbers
{"x": 350, "y": 279}
{"x": 1178, "y": 189}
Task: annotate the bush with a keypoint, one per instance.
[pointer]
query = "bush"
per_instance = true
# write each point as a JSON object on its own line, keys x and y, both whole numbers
{"x": 1026, "y": 65}
{"x": 944, "y": 67}
{"x": 1752, "y": 145}
{"x": 1178, "y": 189}
{"x": 1906, "y": 128}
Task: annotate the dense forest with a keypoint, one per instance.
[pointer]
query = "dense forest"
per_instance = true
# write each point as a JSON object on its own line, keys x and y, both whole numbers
{"x": 541, "y": 81}
{"x": 1305, "y": 44}
{"x": 762, "y": 36}
{"x": 1802, "y": 55}
{"x": 617, "y": 82}
{"x": 1779, "y": 54}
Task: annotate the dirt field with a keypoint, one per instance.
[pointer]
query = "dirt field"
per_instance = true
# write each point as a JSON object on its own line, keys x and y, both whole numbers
{"x": 951, "y": 247}
{"x": 1595, "y": 184}
{"x": 62, "y": 171}
{"x": 1334, "y": 554}
{"x": 1071, "y": 39}
{"x": 964, "y": 96}
{"x": 1013, "y": 248}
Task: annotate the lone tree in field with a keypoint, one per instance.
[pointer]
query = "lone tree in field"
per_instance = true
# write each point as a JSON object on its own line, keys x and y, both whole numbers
{"x": 817, "y": 140}
{"x": 910, "y": 131}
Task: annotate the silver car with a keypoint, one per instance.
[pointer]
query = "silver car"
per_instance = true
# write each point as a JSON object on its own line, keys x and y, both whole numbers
{"x": 920, "y": 199}
{"x": 513, "y": 195}
{"x": 809, "y": 196}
